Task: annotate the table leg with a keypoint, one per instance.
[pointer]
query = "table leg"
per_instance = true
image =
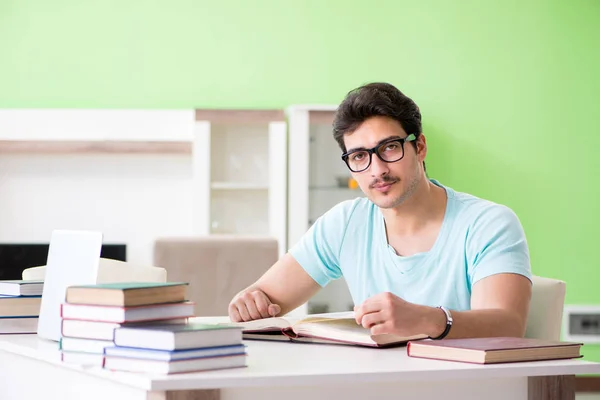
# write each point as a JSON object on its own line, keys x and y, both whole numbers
{"x": 560, "y": 387}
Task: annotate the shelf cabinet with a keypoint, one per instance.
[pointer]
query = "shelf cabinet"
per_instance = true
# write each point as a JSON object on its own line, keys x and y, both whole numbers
{"x": 239, "y": 163}
{"x": 318, "y": 179}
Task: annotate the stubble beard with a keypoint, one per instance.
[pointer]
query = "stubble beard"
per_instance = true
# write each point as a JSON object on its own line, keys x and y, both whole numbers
{"x": 410, "y": 189}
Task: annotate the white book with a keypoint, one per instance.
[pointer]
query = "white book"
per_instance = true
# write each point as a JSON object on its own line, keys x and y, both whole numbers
{"x": 173, "y": 367}
{"x": 82, "y": 358}
{"x": 80, "y": 345}
{"x": 21, "y": 288}
{"x": 79, "y": 328}
{"x": 164, "y": 355}
{"x": 127, "y": 314}
{"x": 177, "y": 337}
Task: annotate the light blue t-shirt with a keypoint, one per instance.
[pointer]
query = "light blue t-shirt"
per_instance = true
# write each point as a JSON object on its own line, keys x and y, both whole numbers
{"x": 478, "y": 238}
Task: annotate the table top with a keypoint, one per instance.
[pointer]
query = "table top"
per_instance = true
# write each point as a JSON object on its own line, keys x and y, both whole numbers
{"x": 286, "y": 364}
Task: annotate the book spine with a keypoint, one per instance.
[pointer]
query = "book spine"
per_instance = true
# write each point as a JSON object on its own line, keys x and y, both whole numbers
{"x": 289, "y": 332}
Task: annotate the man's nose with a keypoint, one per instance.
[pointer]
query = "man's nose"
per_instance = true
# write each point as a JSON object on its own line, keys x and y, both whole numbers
{"x": 378, "y": 167}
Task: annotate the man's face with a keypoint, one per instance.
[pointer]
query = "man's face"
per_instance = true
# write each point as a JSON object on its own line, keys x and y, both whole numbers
{"x": 386, "y": 184}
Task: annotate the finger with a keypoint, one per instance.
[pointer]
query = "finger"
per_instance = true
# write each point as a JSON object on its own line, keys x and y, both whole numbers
{"x": 381, "y": 329}
{"x": 251, "y": 306}
{"x": 372, "y": 319}
{"x": 358, "y": 314}
{"x": 366, "y": 308}
{"x": 274, "y": 310}
{"x": 234, "y": 314}
{"x": 262, "y": 304}
{"x": 241, "y": 307}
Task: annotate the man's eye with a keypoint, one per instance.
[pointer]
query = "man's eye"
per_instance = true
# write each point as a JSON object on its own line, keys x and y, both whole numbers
{"x": 391, "y": 146}
{"x": 357, "y": 156}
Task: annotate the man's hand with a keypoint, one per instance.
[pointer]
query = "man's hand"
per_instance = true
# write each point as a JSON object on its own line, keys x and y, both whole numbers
{"x": 499, "y": 307}
{"x": 387, "y": 313}
{"x": 252, "y": 304}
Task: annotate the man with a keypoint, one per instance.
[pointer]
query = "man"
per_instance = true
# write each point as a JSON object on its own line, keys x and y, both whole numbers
{"x": 418, "y": 257}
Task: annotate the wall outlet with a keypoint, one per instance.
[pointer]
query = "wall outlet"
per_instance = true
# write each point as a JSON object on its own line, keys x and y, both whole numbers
{"x": 582, "y": 323}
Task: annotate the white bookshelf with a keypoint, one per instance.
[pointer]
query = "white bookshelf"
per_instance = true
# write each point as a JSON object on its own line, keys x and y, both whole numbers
{"x": 239, "y": 162}
{"x": 317, "y": 181}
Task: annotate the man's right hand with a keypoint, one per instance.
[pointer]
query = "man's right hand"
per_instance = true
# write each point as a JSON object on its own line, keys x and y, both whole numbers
{"x": 252, "y": 304}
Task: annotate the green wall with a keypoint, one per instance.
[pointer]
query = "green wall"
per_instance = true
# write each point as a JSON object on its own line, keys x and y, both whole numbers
{"x": 509, "y": 89}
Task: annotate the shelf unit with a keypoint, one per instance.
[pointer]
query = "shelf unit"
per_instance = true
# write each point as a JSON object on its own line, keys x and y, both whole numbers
{"x": 239, "y": 163}
{"x": 315, "y": 177}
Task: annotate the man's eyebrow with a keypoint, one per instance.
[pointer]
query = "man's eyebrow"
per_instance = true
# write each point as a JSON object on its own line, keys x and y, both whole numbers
{"x": 378, "y": 143}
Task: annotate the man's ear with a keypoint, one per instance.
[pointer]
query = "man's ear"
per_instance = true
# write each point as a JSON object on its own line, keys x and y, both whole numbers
{"x": 421, "y": 147}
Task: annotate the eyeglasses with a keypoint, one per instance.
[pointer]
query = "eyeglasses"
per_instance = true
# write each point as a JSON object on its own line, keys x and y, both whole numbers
{"x": 390, "y": 151}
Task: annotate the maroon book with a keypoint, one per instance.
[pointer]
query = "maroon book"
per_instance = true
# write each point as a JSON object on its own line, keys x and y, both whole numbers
{"x": 494, "y": 350}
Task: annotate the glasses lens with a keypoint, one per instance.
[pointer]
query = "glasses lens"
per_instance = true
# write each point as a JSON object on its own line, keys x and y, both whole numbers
{"x": 358, "y": 160}
{"x": 391, "y": 151}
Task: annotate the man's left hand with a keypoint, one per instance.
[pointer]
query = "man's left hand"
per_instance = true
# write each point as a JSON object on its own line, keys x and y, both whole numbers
{"x": 388, "y": 313}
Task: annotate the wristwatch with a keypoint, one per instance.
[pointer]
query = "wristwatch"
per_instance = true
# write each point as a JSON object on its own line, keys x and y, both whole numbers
{"x": 448, "y": 323}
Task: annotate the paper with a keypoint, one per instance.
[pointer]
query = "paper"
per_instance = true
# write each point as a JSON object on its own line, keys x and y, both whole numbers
{"x": 73, "y": 259}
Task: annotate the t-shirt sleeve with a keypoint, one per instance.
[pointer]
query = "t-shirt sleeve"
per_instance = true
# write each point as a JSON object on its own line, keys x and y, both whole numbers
{"x": 318, "y": 251}
{"x": 497, "y": 244}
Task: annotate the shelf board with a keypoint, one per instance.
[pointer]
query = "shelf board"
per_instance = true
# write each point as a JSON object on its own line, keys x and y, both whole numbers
{"x": 239, "y": 116}
{"x": 94, "y": 146}
{"x": 238, "y": 186}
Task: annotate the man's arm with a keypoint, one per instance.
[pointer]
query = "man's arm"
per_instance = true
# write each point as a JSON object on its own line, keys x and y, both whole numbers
{"x": 499, "y": 307}
{"x": 309, "y": 265}
{"x": 284, "y": 287}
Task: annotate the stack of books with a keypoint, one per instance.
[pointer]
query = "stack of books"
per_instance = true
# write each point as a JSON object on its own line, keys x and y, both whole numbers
{"x": 20, "y": 303}
{"x": 91, "y": 314}
{"x": 170, "y": 349}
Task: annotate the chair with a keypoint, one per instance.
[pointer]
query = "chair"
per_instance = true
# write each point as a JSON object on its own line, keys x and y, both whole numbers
{"x": 546, "y": 309}
{"x": 111, "y": 271}
{"x": 217, "y": 267}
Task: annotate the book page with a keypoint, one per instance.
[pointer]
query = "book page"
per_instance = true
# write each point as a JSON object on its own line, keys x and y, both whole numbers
{"x": 266, "y": 324}
{"x": 278, "y": 323}
{"x": 345, "y": 329}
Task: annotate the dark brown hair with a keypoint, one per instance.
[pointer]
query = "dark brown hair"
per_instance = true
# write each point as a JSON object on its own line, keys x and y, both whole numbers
{"x": 375, "y": 99}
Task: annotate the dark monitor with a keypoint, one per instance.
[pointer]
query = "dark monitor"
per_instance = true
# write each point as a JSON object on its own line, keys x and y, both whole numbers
{"x": 14, "y": 258}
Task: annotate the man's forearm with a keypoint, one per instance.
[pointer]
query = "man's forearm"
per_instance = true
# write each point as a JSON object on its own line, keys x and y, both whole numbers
{"x": 474, "y": 323}
{"x": 286, "y": 305}
{"x": 286, "y": 284}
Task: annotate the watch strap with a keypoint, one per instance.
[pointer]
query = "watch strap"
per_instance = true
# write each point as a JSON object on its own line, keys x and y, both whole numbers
{"x": 449, "y": 322}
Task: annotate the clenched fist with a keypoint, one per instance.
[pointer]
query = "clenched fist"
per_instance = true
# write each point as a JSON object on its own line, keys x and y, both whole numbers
{"x": 250, "y": 305}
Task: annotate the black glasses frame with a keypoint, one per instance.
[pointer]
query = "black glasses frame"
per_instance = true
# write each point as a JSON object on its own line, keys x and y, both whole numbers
{"x": 375, "y": 150}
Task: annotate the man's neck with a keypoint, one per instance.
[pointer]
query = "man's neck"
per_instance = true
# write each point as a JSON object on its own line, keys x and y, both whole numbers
{"x": 426, "y": 205}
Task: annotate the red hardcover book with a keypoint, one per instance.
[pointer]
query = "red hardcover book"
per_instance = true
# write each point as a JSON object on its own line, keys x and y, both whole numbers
{"x": 494, "y": 350}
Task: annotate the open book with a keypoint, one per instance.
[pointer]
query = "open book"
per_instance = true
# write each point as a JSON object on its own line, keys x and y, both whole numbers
{"x": 331, "y": 328}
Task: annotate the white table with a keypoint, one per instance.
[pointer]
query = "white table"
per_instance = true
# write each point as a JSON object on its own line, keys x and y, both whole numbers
{"x": 30, "y": 368}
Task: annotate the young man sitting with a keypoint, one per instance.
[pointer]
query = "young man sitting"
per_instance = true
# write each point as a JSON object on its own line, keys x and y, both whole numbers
{"x": 418, "y": 257}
